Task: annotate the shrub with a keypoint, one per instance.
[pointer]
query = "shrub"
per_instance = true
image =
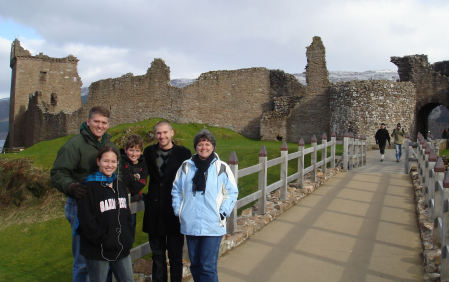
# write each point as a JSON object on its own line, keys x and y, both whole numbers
{"x": 21, "y": 181}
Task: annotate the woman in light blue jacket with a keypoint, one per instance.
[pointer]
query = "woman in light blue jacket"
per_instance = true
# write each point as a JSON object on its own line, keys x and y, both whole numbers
{"x": 204, "y": 194}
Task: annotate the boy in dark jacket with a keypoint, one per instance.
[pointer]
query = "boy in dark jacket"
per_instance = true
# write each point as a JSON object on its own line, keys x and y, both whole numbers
{"x": 133, "y": 170}
{"x": 382, "y": 136}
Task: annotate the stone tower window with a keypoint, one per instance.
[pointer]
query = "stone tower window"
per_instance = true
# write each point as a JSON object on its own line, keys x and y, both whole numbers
{"x": 54, "y": 99}
{"x": 43, "y": 76}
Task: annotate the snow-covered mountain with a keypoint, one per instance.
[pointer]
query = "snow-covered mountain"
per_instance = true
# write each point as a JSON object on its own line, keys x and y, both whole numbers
{"x": 339, "y": 76}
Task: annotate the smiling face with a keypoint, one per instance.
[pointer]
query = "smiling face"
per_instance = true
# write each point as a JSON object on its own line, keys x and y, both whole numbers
{"x": 98, "y": 124}
{"x": 164, "y": 134}
{"x": 134, "y": 154}
{"x": 107, "y": 164}
{"x": 204, "y": 148}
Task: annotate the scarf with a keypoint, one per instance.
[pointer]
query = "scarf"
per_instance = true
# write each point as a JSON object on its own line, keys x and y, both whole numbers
{"x": 199, "y": 179}
{"x": 100, "y": 177}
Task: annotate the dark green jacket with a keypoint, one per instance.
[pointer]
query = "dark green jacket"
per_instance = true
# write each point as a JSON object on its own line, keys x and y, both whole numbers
{"x": 77, "y": 158}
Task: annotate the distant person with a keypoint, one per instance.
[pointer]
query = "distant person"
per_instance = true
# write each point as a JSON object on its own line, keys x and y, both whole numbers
{"x": 133, "y": 171}
{"x": 75, "y": 160}
{"x": 445, "y": 134}
{"x": 163, "y": 160}
{"x": 382, "y": 136}
{"x": 398, "y": 135}
{"x": 204, "y": 194}
{"x": 105, "y": 224}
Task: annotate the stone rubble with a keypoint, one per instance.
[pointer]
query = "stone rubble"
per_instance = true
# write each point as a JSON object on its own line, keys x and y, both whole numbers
{"x": 248, "y": 223}
{"x": 431, "y": 252}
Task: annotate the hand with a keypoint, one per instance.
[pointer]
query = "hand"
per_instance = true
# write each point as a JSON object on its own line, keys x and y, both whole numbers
{"x": 136, "y": 176}
{"x": 222, "y": 216}
{"x": 76, "y": 190}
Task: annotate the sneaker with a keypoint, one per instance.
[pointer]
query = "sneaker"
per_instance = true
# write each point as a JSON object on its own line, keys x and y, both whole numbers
{"x": 397, "y": 161}
{"x": 381, "y": 160}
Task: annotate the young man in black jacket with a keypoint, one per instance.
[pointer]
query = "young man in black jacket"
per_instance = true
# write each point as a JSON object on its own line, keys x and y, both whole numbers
{"x": 382, "y": 136}
{"x": 163, "y": 160}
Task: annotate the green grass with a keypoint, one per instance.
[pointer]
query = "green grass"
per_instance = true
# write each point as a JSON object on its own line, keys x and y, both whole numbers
{"x": 42, "y": 251}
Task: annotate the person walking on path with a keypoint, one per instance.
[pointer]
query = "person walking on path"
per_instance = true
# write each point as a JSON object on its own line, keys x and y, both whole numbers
{"x": 382, "y": 136}
{"x": 75, "y": 160}
{"x": 204, "y": 194}
{"x": 398, "y": 135}
{"x": 163, "y": 160}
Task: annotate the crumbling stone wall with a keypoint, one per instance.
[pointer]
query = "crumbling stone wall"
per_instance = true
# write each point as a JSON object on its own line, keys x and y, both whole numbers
{"x": 431, "y": 83}
{"x": 311, "y": 116}
{"x": 56, "y": 79}
{"x": 364, "y": 105}
{"x": 232, "y": 99}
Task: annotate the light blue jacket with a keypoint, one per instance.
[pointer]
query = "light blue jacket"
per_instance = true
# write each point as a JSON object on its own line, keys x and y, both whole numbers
{"x": 199, "y": 213}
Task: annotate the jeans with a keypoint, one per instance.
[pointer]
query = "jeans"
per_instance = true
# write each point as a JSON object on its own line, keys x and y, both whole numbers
{"x": 398, "y": 148}
{"x": 122, "y": 269}
{"x": 79, "y": 269}
{"x": 203, "y": 253}
{"x": 173, "y": 244}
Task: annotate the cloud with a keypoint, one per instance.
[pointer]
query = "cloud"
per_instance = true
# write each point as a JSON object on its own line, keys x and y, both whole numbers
{"x": 112, "y": 38}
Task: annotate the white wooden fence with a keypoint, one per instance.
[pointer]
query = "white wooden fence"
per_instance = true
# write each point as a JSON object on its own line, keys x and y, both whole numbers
{"x": 354, "y": 155}
{"x": 434, "y": 178}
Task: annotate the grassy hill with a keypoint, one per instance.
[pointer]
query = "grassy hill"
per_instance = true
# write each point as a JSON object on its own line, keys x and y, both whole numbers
{"x": 35, "y": 238}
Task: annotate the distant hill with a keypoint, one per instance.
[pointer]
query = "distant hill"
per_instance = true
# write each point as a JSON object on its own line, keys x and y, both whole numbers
{"x": 334, "y": 76}
{"x": 4, "y": 118}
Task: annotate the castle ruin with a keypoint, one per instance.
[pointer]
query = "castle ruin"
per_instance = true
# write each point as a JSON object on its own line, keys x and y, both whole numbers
{"x": 256, "y": 102}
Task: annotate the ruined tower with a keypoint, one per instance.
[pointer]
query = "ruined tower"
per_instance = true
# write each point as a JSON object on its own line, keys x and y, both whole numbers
{"x": 56, "y": 81}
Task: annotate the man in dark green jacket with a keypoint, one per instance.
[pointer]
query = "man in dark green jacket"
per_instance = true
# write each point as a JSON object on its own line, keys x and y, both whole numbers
{"x": 75, "y": 160}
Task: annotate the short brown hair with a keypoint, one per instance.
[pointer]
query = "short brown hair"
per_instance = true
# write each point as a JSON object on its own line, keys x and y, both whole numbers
{"x": 134, "y": 140}
{"x": 99, "y": 110}
{"x": 161, "y": 123}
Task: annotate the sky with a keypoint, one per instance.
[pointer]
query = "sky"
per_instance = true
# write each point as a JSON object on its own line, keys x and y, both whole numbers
{"x": 111, "y": 38}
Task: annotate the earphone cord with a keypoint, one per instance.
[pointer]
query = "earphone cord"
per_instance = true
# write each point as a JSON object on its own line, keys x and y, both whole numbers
{"x": 119, "y": 229}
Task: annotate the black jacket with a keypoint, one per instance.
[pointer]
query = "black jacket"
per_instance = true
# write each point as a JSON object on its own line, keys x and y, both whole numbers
{"x": 382, "y": 136}
{"x": 127, "y": 172}
{"x": 159, "y": 218}
{"x": 105, "y": 229}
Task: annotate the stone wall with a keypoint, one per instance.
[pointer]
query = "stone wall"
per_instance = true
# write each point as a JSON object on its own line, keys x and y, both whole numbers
{"x": 364, "y": 105}
{"x": 56, "y": 79}
{"x": 232, "y": 99}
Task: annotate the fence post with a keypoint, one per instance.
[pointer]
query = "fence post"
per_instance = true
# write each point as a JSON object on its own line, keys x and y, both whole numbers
{"x": 445, "y": 213}
{"x": 234, "y": 165}
{"x": 351, "y": 146}
{"x": 333, "y": 147}
{"x": 284, "y": 171}
{"x": 346, "y": 151}
{"x": 364, "y": 150}
{"x": 262, "y": 183}
{"x": 439, "y": 197}
{"x": 431, "y": 181}
{"x": 324, "y": 152}
{"x": 301, "y": 163}
{"x": 421, "y": 161}
{"x": 314, "y": 157}
{"x": 444, "y": 272}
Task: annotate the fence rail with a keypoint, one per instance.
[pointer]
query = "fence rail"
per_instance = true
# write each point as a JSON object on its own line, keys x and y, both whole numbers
{"x": 354, "y": 155}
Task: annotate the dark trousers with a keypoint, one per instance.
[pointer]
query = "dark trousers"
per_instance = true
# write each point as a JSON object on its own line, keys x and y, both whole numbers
{"x": 172, "y": 244}
{"x": 382, "y": 148}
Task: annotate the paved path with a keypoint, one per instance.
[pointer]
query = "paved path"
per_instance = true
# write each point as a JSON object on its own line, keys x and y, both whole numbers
{"x": 359, "y": 226}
